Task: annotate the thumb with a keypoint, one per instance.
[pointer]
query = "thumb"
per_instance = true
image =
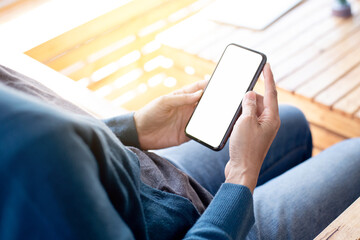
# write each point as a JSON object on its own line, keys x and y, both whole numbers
{"x": 249, "y": 104}
{"x": 177, "y": 100}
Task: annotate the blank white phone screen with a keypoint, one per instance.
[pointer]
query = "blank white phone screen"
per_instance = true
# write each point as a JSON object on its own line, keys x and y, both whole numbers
{"x": 223, "y": 95}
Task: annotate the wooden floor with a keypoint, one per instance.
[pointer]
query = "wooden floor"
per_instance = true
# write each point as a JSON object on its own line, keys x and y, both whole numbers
{"x": 345, "y": 226}
{"x": 145, "y": 49}
{"x": 315, "y": 58}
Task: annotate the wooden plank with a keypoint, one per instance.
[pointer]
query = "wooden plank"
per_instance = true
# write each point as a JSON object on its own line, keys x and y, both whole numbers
{"x": 350, "y": 103}
{"x": 318, "y": 47}
{"x": 194, "y": 28}
{"x": 117, "y": 92}
{"x": 340, "y": 88}
{"x": 183, "y": 59}
{"x": 182, "y": 77}
{"x": 89, "y": 67}
{"x": 121, "y": 71}
{"x": 214, "y": 51}
{"x": 112, "y": 77}
{"x": 207, "y": 40}
{"x": 278, "y": 41}
{"x": 83, "y": 51}
{"x": 131, "y": 27}
{"x": 348, "y": 25}
{"x": 115, "y": 55}
{"x": 160, "y": 89}
{"x": 293, "y": 63}
{"x": 337, "y": 70}
{"x": 323, "y": 138}
{"x": 270, "y": 37}
{"x": 346, "y": 226}
{"x": 316, "y": 151}
{"x": 187, "y": 32}
{"x": 143, "y": 98}
{"x": 305, "y": 10}
{"x": 333, "y": 121}
{"x": 179, "y": 74}
{"x": 303, "y": 40}
{"x": 320, "y": 63}
{"x": 92, "y": 29}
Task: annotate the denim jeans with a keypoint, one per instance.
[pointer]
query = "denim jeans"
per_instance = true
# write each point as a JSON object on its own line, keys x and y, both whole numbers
{"x": 297, "y": 196}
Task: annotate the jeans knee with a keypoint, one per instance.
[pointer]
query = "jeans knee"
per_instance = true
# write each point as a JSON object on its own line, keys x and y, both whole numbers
{"x": 350, "y": 148}
{"x": 294, "y": 121}
{"x": 293, "y": 115}
{"x": 293, "y": 118}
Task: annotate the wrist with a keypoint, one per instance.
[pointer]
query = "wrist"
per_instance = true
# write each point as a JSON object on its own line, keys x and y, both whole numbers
{"x": 138, "y": 122}
{"x": 244, "y": 181}
{"x": 241, "y": 176}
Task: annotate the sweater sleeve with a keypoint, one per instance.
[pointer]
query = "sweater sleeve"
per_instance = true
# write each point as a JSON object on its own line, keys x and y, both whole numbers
{"x": 124, "y": 128}
{"x": 230, "y": 215}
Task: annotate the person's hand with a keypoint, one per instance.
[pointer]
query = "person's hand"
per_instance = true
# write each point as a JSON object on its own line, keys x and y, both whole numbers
{"x": 253, "y": 134}
{"x": 162, "y": 122}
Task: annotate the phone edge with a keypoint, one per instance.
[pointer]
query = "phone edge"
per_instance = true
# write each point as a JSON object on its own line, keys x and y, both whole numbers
{"x": 238, "y": 111}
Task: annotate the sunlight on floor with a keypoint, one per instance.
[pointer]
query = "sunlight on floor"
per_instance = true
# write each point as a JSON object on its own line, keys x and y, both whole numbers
{"x": 52, "y": 18}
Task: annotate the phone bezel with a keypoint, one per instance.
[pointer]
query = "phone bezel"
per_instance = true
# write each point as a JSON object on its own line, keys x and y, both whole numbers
{"x": 238, "y": 111}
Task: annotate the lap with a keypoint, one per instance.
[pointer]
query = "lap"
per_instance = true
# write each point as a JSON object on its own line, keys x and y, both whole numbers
{"x": 300, "y": 203}
{"x": 294, "y": 199}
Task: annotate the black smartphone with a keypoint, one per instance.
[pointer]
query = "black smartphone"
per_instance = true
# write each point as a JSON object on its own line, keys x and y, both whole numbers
{"x": 220, "y": 105}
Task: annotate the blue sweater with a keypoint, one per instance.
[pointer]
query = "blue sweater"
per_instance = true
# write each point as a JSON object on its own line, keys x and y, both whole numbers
{"x": 66, "y": 176}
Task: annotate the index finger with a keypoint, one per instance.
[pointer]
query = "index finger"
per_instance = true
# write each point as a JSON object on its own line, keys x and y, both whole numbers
{"x": 270, "y": 96}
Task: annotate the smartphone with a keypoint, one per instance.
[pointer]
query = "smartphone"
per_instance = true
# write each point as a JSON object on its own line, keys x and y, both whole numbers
{"x": 220, "y": 105}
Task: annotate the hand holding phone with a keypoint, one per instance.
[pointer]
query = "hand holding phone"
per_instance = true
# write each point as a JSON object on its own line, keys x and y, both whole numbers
{"x": 253, "y": 133}
{"x": 220, "y": 105}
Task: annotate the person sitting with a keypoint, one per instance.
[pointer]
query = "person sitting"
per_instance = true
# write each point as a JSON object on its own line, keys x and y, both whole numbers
{"x": 67, "y": 175}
